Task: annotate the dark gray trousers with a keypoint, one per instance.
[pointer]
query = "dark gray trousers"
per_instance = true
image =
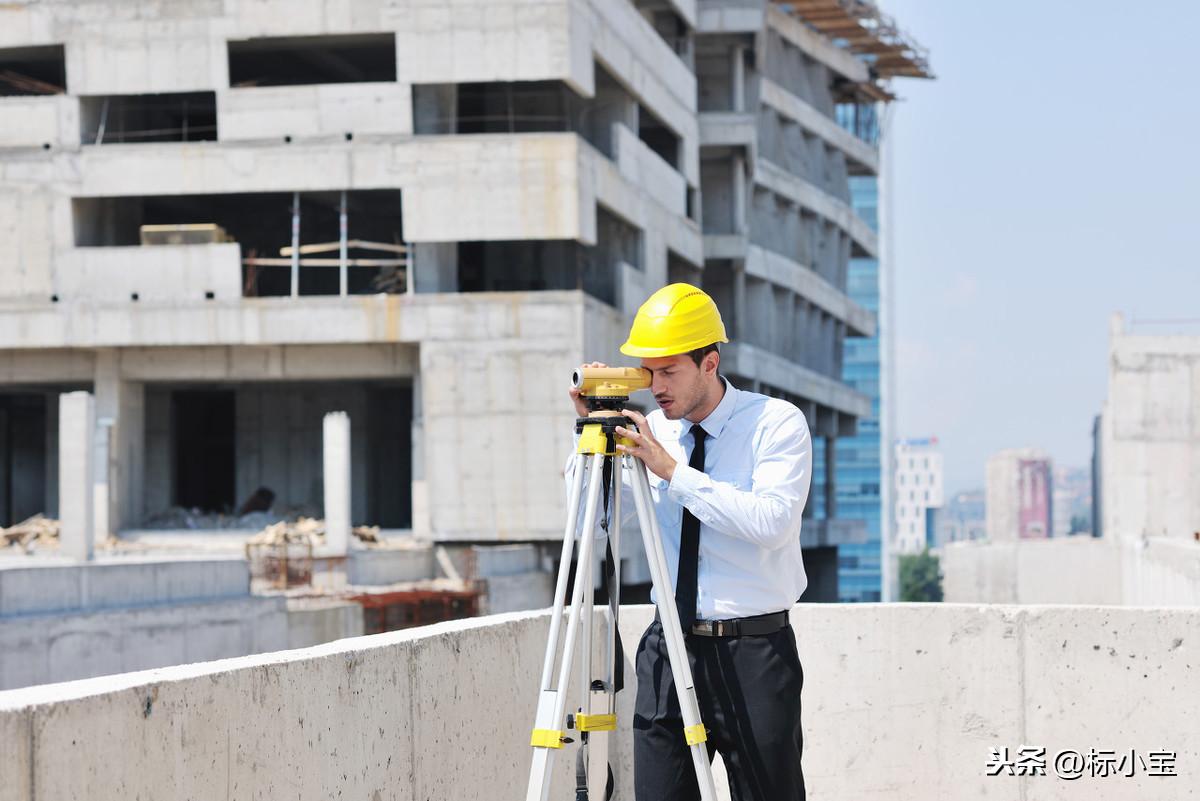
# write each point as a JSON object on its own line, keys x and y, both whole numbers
{"x": 749, "y": 694}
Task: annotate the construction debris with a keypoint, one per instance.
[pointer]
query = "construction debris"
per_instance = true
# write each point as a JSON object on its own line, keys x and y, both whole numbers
{"x": 282, "y": 553}
{"x": 32, "y": 534}
{"x": 307, "y": 530}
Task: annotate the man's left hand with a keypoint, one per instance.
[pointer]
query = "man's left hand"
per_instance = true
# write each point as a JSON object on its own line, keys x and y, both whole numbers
{"x": 646, "y": 447}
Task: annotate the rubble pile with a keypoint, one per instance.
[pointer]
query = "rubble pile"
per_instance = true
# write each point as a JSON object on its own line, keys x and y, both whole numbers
{"x": 32, "y": 534}
{"x": 307, "y": 530}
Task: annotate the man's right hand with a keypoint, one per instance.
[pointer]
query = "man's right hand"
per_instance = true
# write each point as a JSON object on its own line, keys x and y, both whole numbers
{"x": 581, "y": 409}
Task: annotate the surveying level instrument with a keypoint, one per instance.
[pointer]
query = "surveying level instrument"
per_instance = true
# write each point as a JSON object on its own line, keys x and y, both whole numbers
{"x": 606, "y": 391}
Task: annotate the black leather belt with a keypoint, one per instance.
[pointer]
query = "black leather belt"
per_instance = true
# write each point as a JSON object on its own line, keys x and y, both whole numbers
{"x": 741, "y": 626}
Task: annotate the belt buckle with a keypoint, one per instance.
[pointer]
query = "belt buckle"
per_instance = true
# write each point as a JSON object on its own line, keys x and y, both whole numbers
{"x": 722, "y": 628}
{"x": 703, "y": 627}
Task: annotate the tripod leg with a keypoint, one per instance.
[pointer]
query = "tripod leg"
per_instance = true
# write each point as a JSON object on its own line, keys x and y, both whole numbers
{"x": 564, "y": 570}
{"x": 614, "y": 585}
{"x": 552, "y": 703}
{"x": 681, "y": 670}
{"x": 603, "y": 701}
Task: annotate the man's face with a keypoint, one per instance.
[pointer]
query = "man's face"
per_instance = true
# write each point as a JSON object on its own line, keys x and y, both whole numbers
{"x": 678, "y": 384}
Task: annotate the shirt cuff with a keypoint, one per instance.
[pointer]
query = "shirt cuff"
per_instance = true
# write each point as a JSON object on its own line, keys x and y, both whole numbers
{"x": 685, "y": 482}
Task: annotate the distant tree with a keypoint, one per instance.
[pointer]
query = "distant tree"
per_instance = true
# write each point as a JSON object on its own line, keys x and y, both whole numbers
{"x": 920, "y": 579}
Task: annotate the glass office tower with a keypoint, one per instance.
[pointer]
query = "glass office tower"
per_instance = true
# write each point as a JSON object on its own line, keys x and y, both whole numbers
{"x": 860, "y": 466}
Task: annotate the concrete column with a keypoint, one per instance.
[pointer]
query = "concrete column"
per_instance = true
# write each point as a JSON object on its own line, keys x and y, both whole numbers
{"x": 434, "y": 266}
{"x": 422, "y": 524}
{"x": 612, "y": 104}
{"x": 76, "y": 452}
{"x": 738, "y": 329}
{"x": 102, "y": 465}
{"x": 337, "y": 482}
{"x": 737, "y": 78}
{"x": 831, "y": 477}
{"x": 739, "y": 195}
{"x": 434, "y": 108}
{"x": 120, "y": 475}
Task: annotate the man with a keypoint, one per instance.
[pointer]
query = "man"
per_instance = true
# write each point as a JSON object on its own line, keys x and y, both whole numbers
{"x": 729, "y": 474}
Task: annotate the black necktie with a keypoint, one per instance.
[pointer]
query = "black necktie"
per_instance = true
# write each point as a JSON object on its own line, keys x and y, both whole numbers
{"x": 689, "y": 545}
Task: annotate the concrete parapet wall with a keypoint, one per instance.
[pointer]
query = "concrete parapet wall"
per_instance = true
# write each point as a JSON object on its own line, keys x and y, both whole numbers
{"x": 1077, "y": 570}
{"x": 1161, "y": 571}
{"x": 645, "y": 168}
{"x": 158, "y": 274}
{"x": 378, "y": 566}
{"x": 1157, "y": 571}
{"x": 312, "y": 621}
{"x": 322, "y": 110}
{"x": 62, "y": 589}
{"x": 902, "y": 701}
{"x": 37, "y": 121}
{"x": 54, "y": 648}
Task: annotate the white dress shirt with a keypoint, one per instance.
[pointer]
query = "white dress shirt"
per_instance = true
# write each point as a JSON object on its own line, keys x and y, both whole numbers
{"x": 749, "y": 501}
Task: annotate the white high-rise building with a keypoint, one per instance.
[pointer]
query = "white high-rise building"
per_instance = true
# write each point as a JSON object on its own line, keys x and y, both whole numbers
{"x": 919, "y": 492}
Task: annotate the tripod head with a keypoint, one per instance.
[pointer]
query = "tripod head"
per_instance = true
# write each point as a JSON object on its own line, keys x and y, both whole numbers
{"x": 607, "y": 389}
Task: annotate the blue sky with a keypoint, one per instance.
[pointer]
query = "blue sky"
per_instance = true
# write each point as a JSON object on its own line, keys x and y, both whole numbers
{"x": 1048, "y": 178}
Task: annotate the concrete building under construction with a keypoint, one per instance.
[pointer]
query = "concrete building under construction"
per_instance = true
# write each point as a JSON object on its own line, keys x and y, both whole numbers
{"x": 227, "y": 220}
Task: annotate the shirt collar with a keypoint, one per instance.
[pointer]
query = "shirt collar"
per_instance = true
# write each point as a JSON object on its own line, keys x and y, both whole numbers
{"x": 715, "y": 422}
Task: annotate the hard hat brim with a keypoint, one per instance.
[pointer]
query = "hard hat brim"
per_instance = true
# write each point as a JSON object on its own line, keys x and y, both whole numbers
{"x": 644, "y": 352}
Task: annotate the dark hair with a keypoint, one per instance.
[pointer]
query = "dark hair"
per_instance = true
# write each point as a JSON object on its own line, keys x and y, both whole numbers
{"x": 699, "y": 353}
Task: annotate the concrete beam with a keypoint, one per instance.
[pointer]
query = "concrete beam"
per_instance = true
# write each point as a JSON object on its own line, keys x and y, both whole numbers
{"x": 778, "y": 371}
{"x": 805, "y": 282}
{"x": 304, "y": 321}
{"x": 817, "y": 201}
{"x": 816, "y": 46}
{"x": 729, "y": 129}
{"x": 813, "y": 121}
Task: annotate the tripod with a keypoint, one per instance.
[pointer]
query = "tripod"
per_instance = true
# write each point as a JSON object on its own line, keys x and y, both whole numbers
{"x": 597, "y": 457}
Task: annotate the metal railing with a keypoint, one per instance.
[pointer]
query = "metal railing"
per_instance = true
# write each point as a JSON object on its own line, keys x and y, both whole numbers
{"x": 394, "y": 276}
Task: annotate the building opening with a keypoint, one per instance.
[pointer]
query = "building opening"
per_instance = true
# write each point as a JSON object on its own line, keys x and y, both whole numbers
{"x": 680, "y": 270}
{"x": 203, "y": 430}
{"x": 302, "y": 60}
{"x": 261, "y": 223}
{"x": 33, "y": 70}
{"x": 177, "y": 117}
{"x": 535, "y": 266}
{"x": 24, "y": 467}
{"x": 535, "y": 106}
{"x": 658, "y": 137}
{"x": 671, "y": 27}
{"x": 257, "y": 447}
{"x": 496, "y": 107}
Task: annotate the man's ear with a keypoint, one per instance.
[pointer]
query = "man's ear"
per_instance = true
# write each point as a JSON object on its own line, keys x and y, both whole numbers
{"x": 713, "y": 359}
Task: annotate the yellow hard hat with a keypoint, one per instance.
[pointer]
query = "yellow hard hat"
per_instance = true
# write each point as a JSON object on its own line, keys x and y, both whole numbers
{"x": 676, "y": 319}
